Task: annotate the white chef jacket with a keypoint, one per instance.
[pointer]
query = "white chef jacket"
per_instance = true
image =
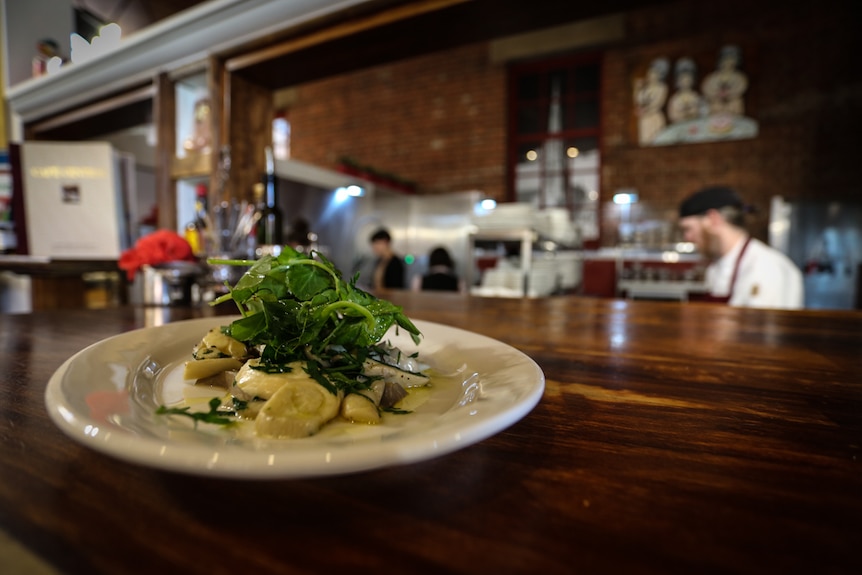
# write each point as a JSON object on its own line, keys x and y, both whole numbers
{"x": 765, "y": 278}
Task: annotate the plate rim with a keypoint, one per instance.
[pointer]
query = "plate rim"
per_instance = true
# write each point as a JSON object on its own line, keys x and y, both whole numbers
{"x": 198, "y": 460}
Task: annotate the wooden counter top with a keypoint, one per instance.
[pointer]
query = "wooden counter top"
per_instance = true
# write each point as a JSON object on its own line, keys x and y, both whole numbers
{"x": 43, "y": 266}
{"x": 671, "y": 438}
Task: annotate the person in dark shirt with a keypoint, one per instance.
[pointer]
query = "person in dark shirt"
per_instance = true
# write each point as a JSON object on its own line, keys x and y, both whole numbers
{"x": 389, "y": 270}
{"x": 441, "y": 273}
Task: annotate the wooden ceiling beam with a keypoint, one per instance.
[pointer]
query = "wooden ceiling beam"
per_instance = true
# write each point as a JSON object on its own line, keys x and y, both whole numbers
{"x": 338, "y": 31}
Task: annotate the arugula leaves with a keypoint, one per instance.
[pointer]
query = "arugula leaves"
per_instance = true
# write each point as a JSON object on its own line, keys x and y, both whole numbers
{"x": 212, "y": 416}
{"x": 296, "y": 306}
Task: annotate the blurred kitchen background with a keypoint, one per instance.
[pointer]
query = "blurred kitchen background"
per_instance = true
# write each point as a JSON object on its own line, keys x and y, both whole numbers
{"x": 517, "y": 139}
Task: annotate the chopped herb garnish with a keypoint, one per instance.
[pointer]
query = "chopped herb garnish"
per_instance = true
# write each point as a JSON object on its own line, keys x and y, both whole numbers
{"x": 214, "y": 415}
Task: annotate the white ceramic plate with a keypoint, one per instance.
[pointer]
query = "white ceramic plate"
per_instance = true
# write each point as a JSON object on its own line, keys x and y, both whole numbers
{"x": 106, "y": 396}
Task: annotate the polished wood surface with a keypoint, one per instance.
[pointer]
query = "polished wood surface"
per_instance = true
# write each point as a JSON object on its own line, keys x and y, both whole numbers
{"x": 671, "y": 438}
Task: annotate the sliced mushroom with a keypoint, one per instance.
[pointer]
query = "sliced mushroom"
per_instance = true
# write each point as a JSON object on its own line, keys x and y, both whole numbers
{"x": 392, "y": 374}
{"x": 392, "y": 394}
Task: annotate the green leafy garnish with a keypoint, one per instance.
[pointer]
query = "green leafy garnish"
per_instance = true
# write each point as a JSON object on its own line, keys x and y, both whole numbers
{"x": 297, "y": 307}
{"x": 212, "y": 416}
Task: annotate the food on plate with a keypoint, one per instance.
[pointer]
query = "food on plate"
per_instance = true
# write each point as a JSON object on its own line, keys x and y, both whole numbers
{"x": 307, "y": 350}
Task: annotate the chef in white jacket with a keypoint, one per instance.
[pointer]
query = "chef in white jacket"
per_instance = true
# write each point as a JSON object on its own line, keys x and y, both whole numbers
{"x": 742, "y": 270}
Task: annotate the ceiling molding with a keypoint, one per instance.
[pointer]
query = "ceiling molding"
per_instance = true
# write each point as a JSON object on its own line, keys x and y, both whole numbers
{"x": 190, "y": 36}
{"x": 582, "y": 34}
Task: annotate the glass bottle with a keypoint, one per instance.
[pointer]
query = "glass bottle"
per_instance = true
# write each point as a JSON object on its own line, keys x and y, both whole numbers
{"x": 255, "y": 237}
{"x": 269, "y": 226}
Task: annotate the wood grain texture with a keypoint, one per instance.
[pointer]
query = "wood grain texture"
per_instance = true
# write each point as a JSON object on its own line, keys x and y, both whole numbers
{"x": 164, "y": 118}
{"x": 249, "y": 133}
{"x": 671, "y": 438}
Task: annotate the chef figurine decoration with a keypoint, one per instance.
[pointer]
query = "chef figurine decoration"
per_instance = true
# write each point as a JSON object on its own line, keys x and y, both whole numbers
{"x": 723, "y": 88}
{"x": 685, "y": 104}
{"x": 717, "y": 113}
{"x": 650, "y": 95}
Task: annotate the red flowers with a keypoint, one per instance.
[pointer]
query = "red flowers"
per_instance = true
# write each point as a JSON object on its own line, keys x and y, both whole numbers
{"x": 159, "y": 247}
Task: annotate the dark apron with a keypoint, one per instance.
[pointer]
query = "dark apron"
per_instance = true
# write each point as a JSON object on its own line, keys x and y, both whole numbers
{"x": 723, "y": 299}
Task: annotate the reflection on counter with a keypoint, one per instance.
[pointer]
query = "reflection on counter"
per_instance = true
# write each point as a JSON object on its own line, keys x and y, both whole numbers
{"x": 15, "y": 293}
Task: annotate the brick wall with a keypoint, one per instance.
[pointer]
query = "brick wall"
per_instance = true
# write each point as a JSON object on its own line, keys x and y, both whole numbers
{"x": 440, "y": 120}
{"x": 437, "y": 120}
{"x": 804, "y": 90}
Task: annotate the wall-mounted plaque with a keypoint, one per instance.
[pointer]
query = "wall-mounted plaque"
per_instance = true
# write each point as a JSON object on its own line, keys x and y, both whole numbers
{"x": 75, "y": 197}
{"x": 674, "y": 106}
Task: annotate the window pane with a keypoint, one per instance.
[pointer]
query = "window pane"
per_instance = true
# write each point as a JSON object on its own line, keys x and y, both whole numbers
{"x": 553, "y": 156}
{"x": 528, "y": 171}
{"x": 583, "y": 144}
{"x": 552, "y": 167}
{"x": 582, "y": 155}
{"x": 557, "y": 79}
{"x": 528, "y": 152}
{"x": 529, "y": 87}
{"x": 530, "y": 120}
{"x": 528, "y": 181}
{"x": 587, "y": 78}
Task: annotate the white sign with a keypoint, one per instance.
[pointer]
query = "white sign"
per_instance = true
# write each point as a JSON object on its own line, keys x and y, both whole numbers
{"x": 73, "y": 200}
